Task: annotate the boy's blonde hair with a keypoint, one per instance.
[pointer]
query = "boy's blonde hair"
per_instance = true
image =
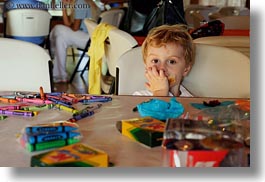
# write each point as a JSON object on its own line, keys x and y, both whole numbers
{"x": 165, "y": 34}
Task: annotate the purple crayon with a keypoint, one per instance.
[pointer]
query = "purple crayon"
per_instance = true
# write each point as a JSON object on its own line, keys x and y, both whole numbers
{"x": 18, "y": 113}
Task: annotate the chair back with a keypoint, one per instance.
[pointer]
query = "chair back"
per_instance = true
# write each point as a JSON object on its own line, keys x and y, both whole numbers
{"x": 236, "y": 22}
{"x": 130, "y": 72}
{"x": 112, "y": 17}
{"x": 28, "y": 22}
{"x": 198, "y": 9}
{"x": 239, "y": 43}
{"x": 24, "y": 66}
{"x": 219, "y": 72}
{"x": 118, "y": 42}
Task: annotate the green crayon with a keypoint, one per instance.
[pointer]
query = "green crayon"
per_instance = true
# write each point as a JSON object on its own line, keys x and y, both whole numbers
{"x": 51, "y": 144}
{"x": 38, "y": 108}
{"x": 2, "y": 117}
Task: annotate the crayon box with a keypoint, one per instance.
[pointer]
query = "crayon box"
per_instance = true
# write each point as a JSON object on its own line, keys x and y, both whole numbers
{"x": 146, "y": 130}
{"x": 76, "y": 155}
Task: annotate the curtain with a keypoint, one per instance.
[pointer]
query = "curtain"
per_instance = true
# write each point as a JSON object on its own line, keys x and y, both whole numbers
{"x": 221, "y": 3}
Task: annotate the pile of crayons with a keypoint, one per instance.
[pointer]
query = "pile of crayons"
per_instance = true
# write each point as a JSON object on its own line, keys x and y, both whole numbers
{"x": 29, "y": 104}
{"x": 47, "y": 136}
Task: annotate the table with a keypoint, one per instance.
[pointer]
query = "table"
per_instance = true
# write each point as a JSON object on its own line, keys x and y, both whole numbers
{"x": 99, "y": 131}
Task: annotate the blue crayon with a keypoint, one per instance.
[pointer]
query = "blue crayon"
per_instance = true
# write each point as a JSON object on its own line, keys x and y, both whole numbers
{"x": 50, "y": 137}
{"x": 55, "y": 93}
{"x": 48, "y": 129}
{"x": 99, "y": 99}
{"x": 88, "y": 109}
{"x": 64, "y": 103}
{"x": 81, "y": 116}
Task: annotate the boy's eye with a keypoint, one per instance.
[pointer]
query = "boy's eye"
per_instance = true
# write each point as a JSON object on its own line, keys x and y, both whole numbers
{"x": 155, "y": 61}
{"x": 172, "y": 61}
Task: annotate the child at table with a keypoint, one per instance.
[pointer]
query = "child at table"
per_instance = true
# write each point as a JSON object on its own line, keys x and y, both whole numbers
{"x": 168, "y": 56}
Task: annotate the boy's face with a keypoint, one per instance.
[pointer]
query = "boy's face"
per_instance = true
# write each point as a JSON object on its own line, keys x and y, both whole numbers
{"x": 170, "y": 59}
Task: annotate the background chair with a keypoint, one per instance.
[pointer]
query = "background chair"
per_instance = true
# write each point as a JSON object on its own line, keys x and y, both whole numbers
{"x": 200, "y": 11}
{"x": 239, "y": 43}
{"x": 130, "y": 72}
{"x": 219, "y": 72}
{"x": 28, "y": 24}
{"x": 24, "y": 66}
{"x": 118, "y": 43}
{"x": 236, "y": 22}
{"x": 112, "y": 17}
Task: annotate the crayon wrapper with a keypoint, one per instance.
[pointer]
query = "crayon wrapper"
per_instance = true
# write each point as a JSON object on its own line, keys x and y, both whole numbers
{"x": 174, "y": 158}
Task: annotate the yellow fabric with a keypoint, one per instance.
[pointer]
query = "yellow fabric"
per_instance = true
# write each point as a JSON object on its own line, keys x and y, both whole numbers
{"x": 96, "y": 52}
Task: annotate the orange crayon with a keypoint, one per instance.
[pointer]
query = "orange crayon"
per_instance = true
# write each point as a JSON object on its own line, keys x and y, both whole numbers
{"x": 42, "y": 95}
{"x": 7, "y": 100}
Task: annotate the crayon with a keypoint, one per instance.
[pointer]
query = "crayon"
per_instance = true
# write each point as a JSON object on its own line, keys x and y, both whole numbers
{"x": 18, "y": 113}
{"x": 65, "y": 108}
{"x": 7, "y": 100}
{"x": 35, "y": 100}
{"x": 67, "y": 104}
{"x": 54, "y": 94}
{"x": 2, "y": 117}
{"x": 38, "y": 107}
{"x": 26, "y": 95}
{"x": 99, "y": 99}
{"x": 48, "y": 145}
{"x": 71, "y": 99}
{"x": 42, "y": 95}
{"x": 52, "y": 128}
{"x": 89, "y": 108}
{"x": 9, "y": 96}
{"x": 49, "y": 137}
{"x": 15, "y": 107}
{"x": 81, "y": 116}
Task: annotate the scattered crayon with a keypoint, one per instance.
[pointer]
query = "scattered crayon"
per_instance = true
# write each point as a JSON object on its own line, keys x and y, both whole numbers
{"x": 81, "y": 116}
{"x": 65, "y": 108}
{"x": 38, "y": 107}
{"x": 2, "y": 117}
{"x": 18, "y": 113}
{"x": 42, "y": 95}
{"x": 7, "y": 100}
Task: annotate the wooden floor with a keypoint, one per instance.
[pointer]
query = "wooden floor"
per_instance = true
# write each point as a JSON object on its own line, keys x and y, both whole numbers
{"x": 79, "y": 84}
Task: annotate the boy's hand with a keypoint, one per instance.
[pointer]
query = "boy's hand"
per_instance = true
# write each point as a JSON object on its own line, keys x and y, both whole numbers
{"x": 157, "y": 81}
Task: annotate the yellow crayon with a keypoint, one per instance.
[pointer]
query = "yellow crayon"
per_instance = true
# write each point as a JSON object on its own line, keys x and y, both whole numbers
{"x": 65, "y": 108}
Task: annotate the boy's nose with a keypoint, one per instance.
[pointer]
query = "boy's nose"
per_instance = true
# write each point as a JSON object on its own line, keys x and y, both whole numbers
{"x": 161, "y": 67}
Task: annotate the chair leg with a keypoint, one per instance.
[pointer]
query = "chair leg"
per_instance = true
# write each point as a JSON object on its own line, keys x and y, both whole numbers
{"x": 85, "y": 68}
{"x": 73, "y": 54}
{"x": 77, "y": 66}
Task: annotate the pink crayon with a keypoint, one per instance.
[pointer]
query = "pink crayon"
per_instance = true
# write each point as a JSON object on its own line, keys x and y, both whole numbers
{"x": 35, "y": 101}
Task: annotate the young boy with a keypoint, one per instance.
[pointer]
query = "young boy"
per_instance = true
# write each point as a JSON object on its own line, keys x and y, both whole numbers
{"x": 168, "y": 56}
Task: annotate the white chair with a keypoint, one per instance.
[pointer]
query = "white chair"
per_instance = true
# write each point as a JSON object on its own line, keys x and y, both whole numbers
{"x": 112, "y": 17}
{"x": 117, "y": 43}
{"x": 24, "y": 66}
{"x": 130, "y": 72}
{"x": 27, "y": 23}
{"x": 239, "y": 43}
{"x": 219, "y": 72}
